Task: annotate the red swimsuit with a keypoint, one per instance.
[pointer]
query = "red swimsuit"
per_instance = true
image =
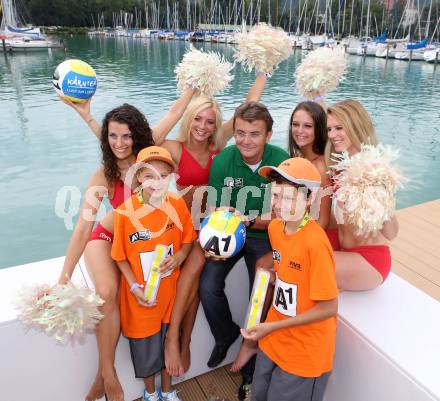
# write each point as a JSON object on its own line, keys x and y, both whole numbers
{"x": 121, "y": 194}
{"x": 378, "y": 256}
{"x": 190, "y": 172}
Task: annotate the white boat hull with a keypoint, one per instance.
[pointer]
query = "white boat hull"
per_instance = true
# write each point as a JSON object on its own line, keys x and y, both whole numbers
{"x": 432, "y": 56}
{"x": 416, "y": 55}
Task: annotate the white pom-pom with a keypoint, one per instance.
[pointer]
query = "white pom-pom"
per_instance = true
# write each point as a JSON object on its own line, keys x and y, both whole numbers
{"x": 65, "y": 312}
{"x": 366, "y": 184}
{"x": 321, "y": 71}
{"x": 263, "y": 48}
{"x": 209, "y": 72}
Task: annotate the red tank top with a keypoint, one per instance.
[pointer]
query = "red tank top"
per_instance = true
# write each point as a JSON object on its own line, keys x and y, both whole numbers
{"x": 190, "y": 171}
{"x": 120, "y": 194}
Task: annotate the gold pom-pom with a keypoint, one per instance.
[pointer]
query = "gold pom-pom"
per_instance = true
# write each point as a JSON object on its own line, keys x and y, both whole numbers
{"x": 321, "y": 71}
{"x": 64, "y": 311}
{"x": 263, "y": 48}
{"x": 209, "y": 72}
{"x": 366, "y": 186}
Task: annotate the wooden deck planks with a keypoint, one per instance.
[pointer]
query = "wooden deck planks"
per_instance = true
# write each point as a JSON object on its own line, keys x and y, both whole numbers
{"x": 218, "y": 384}
{"x": 416, "y": 250}
{"x": 190, "y": 390}
{"x": 416, "y": 280}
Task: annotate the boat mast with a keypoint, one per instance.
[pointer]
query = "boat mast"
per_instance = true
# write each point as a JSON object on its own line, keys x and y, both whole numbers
{"x": 368, "y": 20}
{"x": 243, "y": 16}
{"x": 258, "y": 10}
{"x": 290, "y": 16}
{"x": 339, "y": 16}
{"x": 343, "y": 16}
{"x": 351, "y": 17}
{"x": 268, "y": 12}
{"x": 146, "y": 14}
{"x": 418, "y": 20}
{"x": 316, "y": 8}
{"x": 305, "y": 16}
{"x": 428, "y": 21}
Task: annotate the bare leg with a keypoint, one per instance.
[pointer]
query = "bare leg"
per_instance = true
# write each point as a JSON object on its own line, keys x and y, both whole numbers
{"x": 105, "y": 276}
{"x": 187, "y": 328}
{"x": 165, "y": 381}
{"x": 354, "y": 273}
{"x": 187, "y": 289}
{"x": 150, "y": 385}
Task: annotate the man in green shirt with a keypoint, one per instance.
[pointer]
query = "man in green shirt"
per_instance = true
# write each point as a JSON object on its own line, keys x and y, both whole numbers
{"x": 234, "y": 176}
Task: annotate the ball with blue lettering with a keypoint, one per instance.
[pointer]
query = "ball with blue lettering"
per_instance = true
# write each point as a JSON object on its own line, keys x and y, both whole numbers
{"x": 222, "y": 234}
{"x": 75, "y": 80}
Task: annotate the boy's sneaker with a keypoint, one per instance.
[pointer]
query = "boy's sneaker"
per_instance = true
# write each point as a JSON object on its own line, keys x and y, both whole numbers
{"x": 170, "y": 396}
{"x": 151, "y": 397}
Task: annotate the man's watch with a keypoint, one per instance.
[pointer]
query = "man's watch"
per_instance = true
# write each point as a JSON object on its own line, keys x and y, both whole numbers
{"x": 251, "y": 221}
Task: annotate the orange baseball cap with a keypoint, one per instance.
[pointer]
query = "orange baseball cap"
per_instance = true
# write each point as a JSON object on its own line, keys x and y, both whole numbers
{"x": 155, "y": 153}
{"x": 297, "y": 170}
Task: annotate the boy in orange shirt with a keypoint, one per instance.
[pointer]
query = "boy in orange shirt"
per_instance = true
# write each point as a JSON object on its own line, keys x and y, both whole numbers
{"x": 152, "y": 216}
{"x": 297, "y": 340}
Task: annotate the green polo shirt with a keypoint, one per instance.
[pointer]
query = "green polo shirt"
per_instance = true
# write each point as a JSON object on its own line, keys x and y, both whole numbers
{"x": 239, "y": 187}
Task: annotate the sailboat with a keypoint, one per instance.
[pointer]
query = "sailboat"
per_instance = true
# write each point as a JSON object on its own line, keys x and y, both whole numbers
{"x": 414, "y": 50}
{"x": 432, "y": 55}
{"x": 18, "y": 38}
{"x": 10, "y": 22}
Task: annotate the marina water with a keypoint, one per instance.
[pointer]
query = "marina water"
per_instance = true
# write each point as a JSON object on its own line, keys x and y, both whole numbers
{"x": 48, "y": 154}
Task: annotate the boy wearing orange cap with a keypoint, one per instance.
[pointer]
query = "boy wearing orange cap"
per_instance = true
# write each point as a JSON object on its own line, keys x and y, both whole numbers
{"x": 297, "y": 340}
{"x": 151, "y": 217}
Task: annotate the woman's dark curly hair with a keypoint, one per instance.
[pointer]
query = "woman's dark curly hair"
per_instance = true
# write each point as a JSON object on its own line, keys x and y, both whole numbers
{"x": 141, "y": 134}
{"x": 319, "y": 118}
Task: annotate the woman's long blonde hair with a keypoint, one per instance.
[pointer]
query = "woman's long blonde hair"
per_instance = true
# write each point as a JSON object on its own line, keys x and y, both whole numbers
{"x": 356, "y": 123}
{"x": 197, "y": 105}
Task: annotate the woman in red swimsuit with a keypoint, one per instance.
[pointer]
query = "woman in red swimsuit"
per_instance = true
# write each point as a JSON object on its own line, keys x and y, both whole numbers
{"x": 362, "y": 263}
{"x": 125, "y": 131}
{"x": 202, "y": 135}
{"x": 307, "y": 138}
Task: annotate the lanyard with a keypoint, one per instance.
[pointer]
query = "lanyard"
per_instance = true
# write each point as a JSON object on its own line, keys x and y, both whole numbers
{"x": 140, "y": 197}
{"x": 303, "y": 222}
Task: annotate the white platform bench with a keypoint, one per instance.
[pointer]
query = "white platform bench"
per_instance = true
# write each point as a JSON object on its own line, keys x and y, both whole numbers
{"x": 388, "y": 345}
{"x": 33, "y": 367}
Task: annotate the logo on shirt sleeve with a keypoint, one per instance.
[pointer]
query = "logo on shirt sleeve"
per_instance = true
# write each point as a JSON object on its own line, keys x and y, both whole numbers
{"x": 139, "y": 236}
{"x": 276, "y": 256}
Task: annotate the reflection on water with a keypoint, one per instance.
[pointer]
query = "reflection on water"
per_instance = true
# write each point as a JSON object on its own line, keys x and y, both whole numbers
{"x": 45, "y": 146}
